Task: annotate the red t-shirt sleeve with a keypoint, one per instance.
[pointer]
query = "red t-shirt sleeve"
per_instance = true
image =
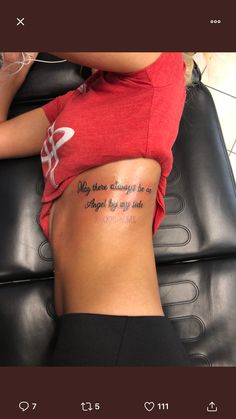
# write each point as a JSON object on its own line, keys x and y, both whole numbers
{"x": 55, "y": 106}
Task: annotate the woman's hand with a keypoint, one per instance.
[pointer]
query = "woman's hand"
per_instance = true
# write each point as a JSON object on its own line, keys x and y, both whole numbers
{"x": 11, "y": 79}
{"x": 12, "y": 71}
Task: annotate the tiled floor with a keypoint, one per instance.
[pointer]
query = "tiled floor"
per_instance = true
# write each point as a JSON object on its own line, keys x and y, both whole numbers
{"x": 219, "y": 75}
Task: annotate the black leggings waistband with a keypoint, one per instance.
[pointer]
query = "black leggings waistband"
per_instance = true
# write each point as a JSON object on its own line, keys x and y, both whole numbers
{"x": 87, "y": 339}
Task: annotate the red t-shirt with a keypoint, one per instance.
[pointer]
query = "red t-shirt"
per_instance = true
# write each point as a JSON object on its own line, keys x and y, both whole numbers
{"x": 114, "y": 116}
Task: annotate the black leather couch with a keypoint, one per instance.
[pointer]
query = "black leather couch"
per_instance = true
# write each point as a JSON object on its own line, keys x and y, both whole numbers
{"x": 195, "y": 246}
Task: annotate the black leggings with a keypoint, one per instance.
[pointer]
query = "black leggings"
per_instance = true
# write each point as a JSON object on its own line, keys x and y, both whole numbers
{"x": 85, "y": 339}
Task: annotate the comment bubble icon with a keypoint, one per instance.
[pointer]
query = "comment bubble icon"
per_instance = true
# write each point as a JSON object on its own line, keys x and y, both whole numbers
{"x": 23, "y": 405}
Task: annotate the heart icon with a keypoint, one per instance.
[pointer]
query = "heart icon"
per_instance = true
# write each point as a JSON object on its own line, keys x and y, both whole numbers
{"x": 149, "y": 406}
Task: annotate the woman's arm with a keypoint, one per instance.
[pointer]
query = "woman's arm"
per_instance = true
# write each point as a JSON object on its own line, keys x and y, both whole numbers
{"x": 120, "y": 62}
{"x": 23, "y": 135}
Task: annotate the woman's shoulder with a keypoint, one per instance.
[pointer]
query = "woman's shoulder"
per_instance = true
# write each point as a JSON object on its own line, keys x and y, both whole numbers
{"x": 166, "y": 69}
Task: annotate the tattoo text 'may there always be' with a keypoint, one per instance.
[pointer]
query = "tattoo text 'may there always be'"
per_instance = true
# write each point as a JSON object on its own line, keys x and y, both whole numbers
{"x": 113, "y": 204}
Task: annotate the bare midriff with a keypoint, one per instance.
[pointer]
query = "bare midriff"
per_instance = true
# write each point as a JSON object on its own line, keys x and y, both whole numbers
{"x": 100, "y": 230}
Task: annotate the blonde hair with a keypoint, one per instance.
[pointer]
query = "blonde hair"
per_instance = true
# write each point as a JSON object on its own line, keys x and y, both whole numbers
{"x": 189, "y": 61}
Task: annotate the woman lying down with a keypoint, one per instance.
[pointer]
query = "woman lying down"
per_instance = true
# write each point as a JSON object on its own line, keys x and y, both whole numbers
{"x": 106, "y": 153}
